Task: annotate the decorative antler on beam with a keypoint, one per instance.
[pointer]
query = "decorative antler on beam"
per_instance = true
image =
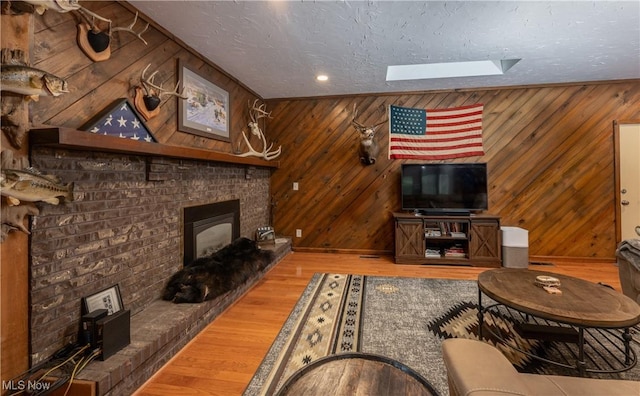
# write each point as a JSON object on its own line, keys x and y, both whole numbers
{"x": 266, "y": 154}
{"x": 256, "y": 113}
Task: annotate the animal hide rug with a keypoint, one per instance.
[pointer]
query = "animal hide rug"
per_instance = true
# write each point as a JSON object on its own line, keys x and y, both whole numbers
{"x": 211, "y": 276}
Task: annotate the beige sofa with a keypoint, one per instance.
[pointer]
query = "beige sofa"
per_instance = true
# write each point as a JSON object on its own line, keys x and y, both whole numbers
{"x": 477, "y": 368}
{"x": 628, "y": 254}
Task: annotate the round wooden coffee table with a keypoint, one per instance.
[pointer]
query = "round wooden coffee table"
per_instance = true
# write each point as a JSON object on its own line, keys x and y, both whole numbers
{"x": 357, "y": 373}
{"x": 582, "y": 305}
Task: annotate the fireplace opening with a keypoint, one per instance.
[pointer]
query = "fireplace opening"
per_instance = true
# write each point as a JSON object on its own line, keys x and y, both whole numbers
{"x": 210, "y": 227}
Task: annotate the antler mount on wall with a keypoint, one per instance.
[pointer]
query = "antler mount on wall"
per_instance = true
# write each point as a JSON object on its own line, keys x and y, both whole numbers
{"x": 256, "y": 113}
{"x": 149, "y": 95}
{"x": 94, "y": 41}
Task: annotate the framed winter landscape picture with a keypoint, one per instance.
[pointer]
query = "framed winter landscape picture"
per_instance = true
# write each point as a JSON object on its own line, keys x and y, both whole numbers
{"x": 205, "y": 112}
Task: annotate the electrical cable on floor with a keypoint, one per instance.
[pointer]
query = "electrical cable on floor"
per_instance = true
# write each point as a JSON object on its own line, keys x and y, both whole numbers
{"x": 70, "y": 358}
{"x": 65, "y": 364}
{"x": 80, "y": 366}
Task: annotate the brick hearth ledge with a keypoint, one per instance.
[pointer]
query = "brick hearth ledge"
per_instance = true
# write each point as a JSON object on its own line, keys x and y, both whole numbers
{"x": 158, "y": 333}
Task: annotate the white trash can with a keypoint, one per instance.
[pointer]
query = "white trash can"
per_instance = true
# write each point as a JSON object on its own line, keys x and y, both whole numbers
{"x": 515, "y": 247}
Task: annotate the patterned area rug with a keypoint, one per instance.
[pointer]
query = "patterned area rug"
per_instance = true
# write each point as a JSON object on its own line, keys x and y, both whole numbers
{"x": 461, "y": 321}
{"x": 330, "y": 324}
{"x": 404, "y": 319}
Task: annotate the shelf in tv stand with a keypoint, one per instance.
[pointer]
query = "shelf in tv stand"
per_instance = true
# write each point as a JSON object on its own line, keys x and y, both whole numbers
{"x": 481, "y": 243}
{"x": 448, "y": 260}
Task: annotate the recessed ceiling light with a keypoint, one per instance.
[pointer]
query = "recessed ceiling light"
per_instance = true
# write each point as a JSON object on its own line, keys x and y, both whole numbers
{"x": 449, "y": 69}
{"x": 322, "y": 77}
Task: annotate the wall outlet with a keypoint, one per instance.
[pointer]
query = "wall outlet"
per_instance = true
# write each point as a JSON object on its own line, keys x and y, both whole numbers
{"x": 298, "y": 233}
{"x": 295, "y": 186}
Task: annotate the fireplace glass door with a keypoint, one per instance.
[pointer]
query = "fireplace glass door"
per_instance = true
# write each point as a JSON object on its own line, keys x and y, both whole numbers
{"x": 209, "y": 228}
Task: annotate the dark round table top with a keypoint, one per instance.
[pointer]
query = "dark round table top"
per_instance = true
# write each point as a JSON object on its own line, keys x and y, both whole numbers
{"x": 356, "y": 373}
{"x": 582, "y": 303}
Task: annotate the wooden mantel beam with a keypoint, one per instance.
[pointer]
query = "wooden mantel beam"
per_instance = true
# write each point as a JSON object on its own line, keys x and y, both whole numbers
{"x": 79, "y": 140}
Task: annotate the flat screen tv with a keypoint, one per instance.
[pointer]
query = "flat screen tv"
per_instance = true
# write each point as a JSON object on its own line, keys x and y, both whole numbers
{"x": 444, "y": 188}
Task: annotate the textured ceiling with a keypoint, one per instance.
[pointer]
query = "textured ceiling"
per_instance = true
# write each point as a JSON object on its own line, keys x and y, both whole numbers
{"x": 277, "y": 47}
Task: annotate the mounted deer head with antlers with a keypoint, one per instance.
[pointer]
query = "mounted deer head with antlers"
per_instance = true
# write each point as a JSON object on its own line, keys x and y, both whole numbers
{"x": 368, "y": 148}
{"x": 256, "y": 113}
{"x": 149, "y": 95}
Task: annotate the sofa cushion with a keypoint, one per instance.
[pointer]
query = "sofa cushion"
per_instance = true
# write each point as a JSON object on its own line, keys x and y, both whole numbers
{"x": 561, "y": 385}
{"x": 478, "y": 369}
{"x": 629, "y": 279}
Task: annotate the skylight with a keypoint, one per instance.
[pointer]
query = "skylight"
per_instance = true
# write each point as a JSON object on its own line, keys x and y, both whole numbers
{"x": 449, "y": 69}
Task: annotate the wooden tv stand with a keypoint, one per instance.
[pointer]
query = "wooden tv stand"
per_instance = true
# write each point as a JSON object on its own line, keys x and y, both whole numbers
{"x": 448, "y": 239}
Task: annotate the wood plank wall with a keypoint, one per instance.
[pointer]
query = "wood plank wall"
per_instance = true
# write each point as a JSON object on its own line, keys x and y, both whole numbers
{"x": 94, "y": 86}
{"x": 549, "y": 152}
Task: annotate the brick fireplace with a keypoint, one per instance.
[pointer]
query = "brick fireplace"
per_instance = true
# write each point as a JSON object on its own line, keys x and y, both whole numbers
{"x": 125, "y": 227}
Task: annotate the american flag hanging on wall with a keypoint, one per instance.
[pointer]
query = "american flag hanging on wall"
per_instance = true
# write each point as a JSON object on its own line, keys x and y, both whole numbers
{"x": 435, "y": 134}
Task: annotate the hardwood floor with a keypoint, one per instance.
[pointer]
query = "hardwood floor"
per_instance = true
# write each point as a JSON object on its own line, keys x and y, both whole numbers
{"x": 222, "y": 359}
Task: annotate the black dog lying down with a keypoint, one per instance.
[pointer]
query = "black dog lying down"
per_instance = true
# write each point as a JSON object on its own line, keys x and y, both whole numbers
{"x": 209, "y": 277}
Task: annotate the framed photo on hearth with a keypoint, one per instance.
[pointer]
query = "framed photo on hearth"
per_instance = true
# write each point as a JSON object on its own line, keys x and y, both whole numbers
{"x": 109, "y": 299}
{"x": 205, "y": 112}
